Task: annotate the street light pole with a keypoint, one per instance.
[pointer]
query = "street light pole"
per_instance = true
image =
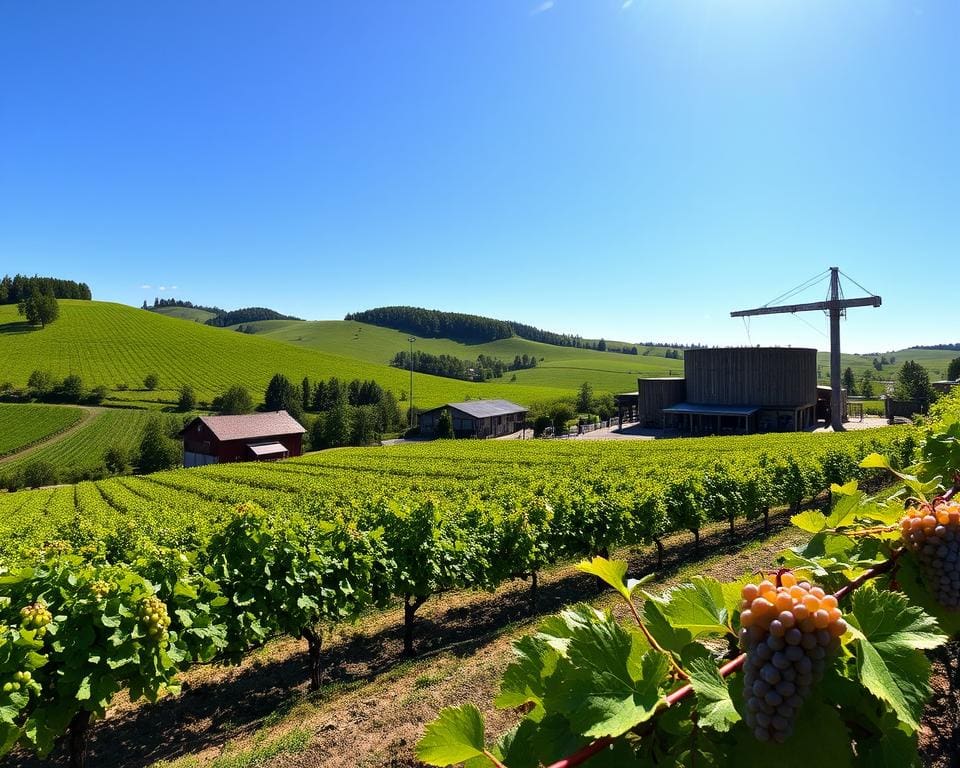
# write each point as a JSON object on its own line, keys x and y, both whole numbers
{"x": 411, "y": 340}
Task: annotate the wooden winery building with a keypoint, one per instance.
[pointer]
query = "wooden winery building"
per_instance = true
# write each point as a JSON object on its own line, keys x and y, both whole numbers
{"x": 477, "y": 418}
{"x": 736, "y": 390}
{"x": 250, "y": 437}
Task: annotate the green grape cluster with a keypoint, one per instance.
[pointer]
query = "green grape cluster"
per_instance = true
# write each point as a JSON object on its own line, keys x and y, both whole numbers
{"x": 100, "y": 588}
{"x": 154, "y": 618}
{"x": 36, "y": 616}
{"x": 20, "y": 680}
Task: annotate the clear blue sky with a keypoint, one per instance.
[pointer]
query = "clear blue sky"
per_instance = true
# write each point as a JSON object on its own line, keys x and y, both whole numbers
{"x": 627, "y": 169}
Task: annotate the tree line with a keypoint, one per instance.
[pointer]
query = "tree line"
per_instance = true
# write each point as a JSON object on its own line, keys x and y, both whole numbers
{"x": 224, "y": 318}
{"x": 14, "y": 290}
{"x": 481, "y": 369}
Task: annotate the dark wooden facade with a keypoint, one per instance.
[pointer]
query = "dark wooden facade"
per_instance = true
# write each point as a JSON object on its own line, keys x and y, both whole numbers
{"x": 255, "y": 437}
{"x": 653, "y": 395}
{"x": 769, "y": 377}
{"x": 477, "y": 418}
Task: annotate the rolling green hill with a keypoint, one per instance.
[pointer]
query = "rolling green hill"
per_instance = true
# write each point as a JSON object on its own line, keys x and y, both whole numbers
{"x": 185, "y": 313}
{"x": 564, "y": 367}
{"x": 934, "y": 360}
{"x": 117, "y": 346}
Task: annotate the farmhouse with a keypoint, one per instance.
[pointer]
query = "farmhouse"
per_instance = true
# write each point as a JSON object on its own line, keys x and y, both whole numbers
{"x": 735, "y": 390}
{"x": 477, "y": 418}
{"x": 252, "y": 437}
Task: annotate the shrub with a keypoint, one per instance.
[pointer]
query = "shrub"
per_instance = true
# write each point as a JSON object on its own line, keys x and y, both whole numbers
{"x": 97, "y": 395}
{"x": 235, "y": 400}
{"x": 188, "y": 399}
{"x": 150, "y": 381}
{"x": 38, "y": 473}
{"x": 115, "y": 459}
{"x": 71, "y": 389}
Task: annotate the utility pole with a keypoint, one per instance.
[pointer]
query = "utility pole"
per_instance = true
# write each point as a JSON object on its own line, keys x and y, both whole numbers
{"x": 411, "y": 340}
{"x": 836, "y": 307}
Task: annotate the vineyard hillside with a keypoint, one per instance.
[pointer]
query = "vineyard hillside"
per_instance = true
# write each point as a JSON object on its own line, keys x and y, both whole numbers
{"x": 185, "y": 313}
{"x": 117, "y": 346}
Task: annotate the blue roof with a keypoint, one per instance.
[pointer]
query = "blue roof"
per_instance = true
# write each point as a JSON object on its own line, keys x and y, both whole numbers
{"x": 712, "y": 410}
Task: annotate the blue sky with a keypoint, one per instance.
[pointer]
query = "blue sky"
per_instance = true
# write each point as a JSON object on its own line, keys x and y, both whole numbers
{"x": 627, "y": 169}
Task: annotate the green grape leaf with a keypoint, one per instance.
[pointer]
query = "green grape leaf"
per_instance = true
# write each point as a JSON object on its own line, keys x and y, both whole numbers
{"x": 699, "y": 607}
{"x": 894, "y": 749}
{"x": 609, "y": 682}
{"x": 876, "y": 461}
{"x": 523, "y": 680}
{"x": 818, "y": 727}
{"x": 456, "y": 735}
{"x": 612, "y": 573}
{"x": 810, "y": 521}
{"x": 670, "y": 637}
{"x": 914, "y": 586}
{"x": 714, "y": 704}
{"x": 891, "y": 634}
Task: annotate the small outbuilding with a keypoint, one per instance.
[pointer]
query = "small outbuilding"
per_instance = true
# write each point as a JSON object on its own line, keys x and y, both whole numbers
{"x": 249, "y": 437}
{"x": 477, "y": 418}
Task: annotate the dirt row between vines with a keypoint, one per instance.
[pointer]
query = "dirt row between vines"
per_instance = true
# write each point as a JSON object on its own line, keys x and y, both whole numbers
{"x": 375, "y": 702}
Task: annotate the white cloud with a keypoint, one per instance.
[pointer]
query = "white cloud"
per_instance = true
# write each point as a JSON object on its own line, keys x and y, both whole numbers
{"x": 162, "y": 288}
{"x": 173, "y": 287}
{"x": 146, "y": 287}
{"x": 545, "y": 6}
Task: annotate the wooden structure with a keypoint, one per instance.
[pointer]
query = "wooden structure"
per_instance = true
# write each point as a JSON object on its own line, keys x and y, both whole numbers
{"x": 734, "y": 390}
{"x": 626, "y": 406}
{"x": 836, "y": 306}
{"x": 655, "y": 394}
{"x": 477, "y": 418}
{"x": 250, "y": 437}
{"x": 944, "y": 387}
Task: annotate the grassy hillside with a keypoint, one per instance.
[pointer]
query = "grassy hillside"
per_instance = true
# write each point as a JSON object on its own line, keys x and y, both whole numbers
{"x": 934, "y": 360}
{"x": 117, "y": 346}
{"x": 185, "y": 313}
{"x": 565, "y": 367}
{"x": 23, "y": 425}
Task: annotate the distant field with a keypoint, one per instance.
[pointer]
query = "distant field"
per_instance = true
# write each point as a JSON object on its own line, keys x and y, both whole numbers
{"x": 113, "y": 344}
{"x": 185, "y": 313}
{"x": 934, "y": 360}
{"x": 23, "y": 425}
{"x": 564, "y": 367}
{"x": 84, "y": 448}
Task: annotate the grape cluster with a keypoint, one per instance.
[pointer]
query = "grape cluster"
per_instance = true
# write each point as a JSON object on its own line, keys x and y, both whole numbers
{"x": 787, "y": 632}
{"x": 36, "y": 616}
{"x": 932, "y": 533}
{"x": 154, "y": 618}
{"x": 20, "y": 680}
{"x": 100, "y": 588}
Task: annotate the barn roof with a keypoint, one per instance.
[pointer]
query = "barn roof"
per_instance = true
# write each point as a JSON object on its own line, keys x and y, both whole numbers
{"x": 250, "y": 426}
{"x": 482, "y": 409}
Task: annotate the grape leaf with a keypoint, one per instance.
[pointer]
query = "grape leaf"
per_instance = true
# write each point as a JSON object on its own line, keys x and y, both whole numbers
{"x": 611, "y": 572}
{"x": 714, "y": 704}
{"x": 819, "y": 738}
{"x": 456, "y": 735}
{"x": 894, "y": 749}
{"x": 810, "y": 521}
{"x": 523, "y": 680}
{"x": 891, "y": 634}
{"x": 610, "y": 683}
{"x": 698, "y": 607}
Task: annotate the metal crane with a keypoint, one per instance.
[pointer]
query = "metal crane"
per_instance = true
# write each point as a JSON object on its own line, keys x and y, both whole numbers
{"x": 836, "y": 305}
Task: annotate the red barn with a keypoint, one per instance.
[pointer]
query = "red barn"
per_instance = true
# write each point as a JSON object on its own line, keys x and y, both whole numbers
{"x": 252, "y": 437}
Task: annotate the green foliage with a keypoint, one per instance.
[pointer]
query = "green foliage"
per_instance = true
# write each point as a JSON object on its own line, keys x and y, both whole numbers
{"x": 71, "y": 388}
{"x": 849, "y": 381}
{"x": 157, "y": 450}
{"x": 913, "y": 383}
{"x": 115, "y": 459}
{"x": 151, "y": 381}
{"x": 37, "y": 473}
{"x": 236, "y": 400}
{"x": 444, "y": 427}
{"x": 41, "y": 383}
{"x": 953, "y": 370}
{"x": 26, "y": 424}
{"x": 39, "y": 309}
{"x": 282, "y": 395}
{"x": 585, "y": 398}
{"x": 187, "y": 400}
